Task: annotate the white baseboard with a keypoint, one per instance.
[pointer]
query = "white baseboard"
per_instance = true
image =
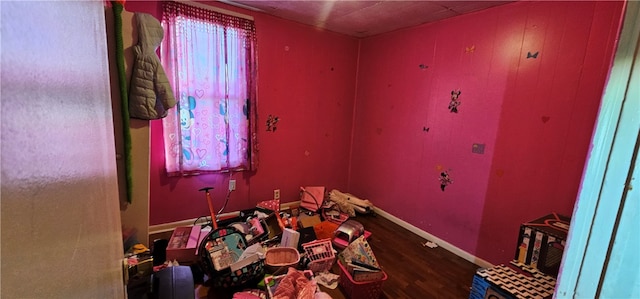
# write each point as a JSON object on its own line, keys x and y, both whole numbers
{"x": 444, "y": 244}
{"x": 165, "y": 227}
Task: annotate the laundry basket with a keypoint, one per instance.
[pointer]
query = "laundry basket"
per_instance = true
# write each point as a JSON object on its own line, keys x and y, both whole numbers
{"x": 360, "y": 289}
{"x": 320, "y": 254}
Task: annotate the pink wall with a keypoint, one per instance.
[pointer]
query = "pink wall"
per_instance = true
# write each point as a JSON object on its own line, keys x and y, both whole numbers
{"x": 306, "y": 77}
{"x": 535, "y": 117}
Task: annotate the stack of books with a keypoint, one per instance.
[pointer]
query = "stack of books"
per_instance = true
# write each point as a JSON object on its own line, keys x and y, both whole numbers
{"x": 360, "y": 262}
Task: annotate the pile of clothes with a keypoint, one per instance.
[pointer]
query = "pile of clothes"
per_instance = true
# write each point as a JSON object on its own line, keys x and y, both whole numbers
{"x": 293, "y": 285}
{"x": 348, "y": 203}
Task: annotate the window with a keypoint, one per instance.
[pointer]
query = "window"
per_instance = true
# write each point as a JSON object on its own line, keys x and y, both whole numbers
{"x": 210, "y": 60}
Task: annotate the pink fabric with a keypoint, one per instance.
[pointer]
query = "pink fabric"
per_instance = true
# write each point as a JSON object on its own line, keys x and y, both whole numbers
{"x": 312, "y": 198}
{"x": 295, "y": 286}
{"x": 250, "y": 294}
{"x": 244, "y": 295}
{"x": 273, "y": 205}
{"x": 321, "y": 295}
{"x": 209, "y": 60}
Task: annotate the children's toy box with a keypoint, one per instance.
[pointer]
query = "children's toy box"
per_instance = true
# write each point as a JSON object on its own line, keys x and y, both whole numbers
{"x": 541, "y": 243}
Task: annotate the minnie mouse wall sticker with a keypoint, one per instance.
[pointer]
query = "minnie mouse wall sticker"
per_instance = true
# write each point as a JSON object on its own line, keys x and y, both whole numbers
{"x": 455, "y": 102}
{"x": 187, "y": 120}
{"x": 445, "y": 180}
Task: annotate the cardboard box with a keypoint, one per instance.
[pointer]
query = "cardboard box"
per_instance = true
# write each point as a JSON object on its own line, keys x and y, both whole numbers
{"x": 308, "y": 221}
{"x": 183, "y": 244}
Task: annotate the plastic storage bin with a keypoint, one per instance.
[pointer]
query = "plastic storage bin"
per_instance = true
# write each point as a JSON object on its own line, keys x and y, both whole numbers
{"x": 360, "y": 290}
{"x": 320, "y": 254}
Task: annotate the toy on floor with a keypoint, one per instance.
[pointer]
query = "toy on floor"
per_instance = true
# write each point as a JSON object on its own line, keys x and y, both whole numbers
{"x": 347, "y": 232}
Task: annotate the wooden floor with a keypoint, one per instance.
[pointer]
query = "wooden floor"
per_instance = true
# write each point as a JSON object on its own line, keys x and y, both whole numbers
{"x": 413, "y": 270}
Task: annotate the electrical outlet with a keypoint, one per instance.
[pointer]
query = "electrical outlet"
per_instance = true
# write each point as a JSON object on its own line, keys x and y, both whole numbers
{"x": 232, "y": 185}
{"x": 276, "y": 194}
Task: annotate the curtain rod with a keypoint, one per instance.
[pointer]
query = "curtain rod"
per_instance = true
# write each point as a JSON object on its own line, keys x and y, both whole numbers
{"x": 216, "y": 9}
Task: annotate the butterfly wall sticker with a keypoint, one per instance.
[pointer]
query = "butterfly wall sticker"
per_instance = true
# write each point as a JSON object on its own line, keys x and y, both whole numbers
{"x": 271, "y": 123}
{"x": 470, "y": 49}
{"x": 532, "y": 55}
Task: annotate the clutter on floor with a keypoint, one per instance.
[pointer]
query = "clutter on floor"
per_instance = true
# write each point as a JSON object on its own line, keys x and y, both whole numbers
{"x": 350, "y": 204}
{"x": 360, "y": 262}
{"x": 430, "y": 244}
{"x": 269, "y": 252}
{"x": 293, "y": 284}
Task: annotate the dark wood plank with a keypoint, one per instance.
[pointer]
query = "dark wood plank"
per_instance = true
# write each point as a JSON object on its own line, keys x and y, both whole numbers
{"x": 413, "y": 270}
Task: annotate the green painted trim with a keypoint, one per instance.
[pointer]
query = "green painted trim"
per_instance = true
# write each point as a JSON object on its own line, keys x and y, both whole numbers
{"x": 122, "y": 82}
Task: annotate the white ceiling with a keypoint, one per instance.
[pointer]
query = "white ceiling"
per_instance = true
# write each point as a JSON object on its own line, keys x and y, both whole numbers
{"x": 362, "y": 18}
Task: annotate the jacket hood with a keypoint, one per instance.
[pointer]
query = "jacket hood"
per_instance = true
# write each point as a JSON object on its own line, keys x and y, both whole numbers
{"x": 150, "y": 32}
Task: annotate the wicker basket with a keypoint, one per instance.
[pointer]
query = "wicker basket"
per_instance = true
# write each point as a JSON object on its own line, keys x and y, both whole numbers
{"x": 278, "y": 257}
{"x": 320, "y": 254}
